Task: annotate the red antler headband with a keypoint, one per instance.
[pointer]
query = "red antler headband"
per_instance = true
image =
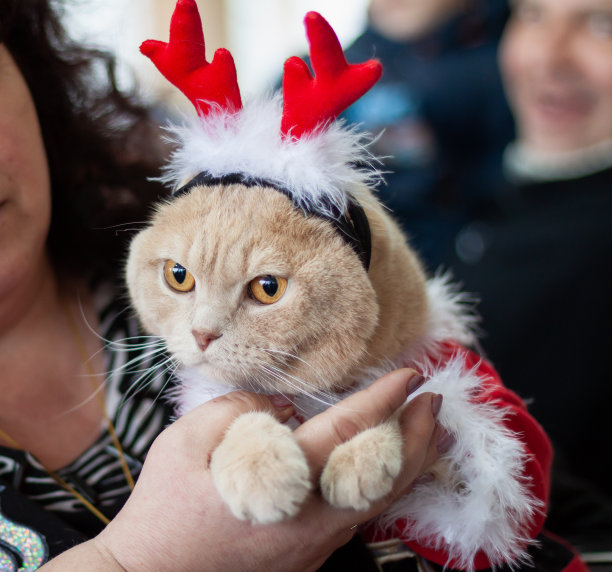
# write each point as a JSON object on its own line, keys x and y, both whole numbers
{"x": 295, "y": 143}
{"x": 182, "y": 61}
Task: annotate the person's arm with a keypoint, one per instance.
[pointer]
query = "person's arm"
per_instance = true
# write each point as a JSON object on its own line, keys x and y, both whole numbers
{"x": 175, "y": 520}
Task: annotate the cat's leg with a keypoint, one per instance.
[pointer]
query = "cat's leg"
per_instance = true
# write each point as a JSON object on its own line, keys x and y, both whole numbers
{"x": 259, "y": 469}
{"x": 362, "y": 470}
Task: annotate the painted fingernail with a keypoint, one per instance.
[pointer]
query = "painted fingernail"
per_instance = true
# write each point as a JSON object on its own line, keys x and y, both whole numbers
{"x": 414, "y": 383}
{"x": 280, "y": 401}
{"x": 436, "y": 404}
{"x": 445, "y": 442}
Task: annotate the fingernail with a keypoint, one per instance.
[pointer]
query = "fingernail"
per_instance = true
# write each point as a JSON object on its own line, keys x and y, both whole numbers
{"x": 436, "y": 404}
{"x": 445, "y": 442}
{"x": 280, "y": 401}
{"x": 414, "y": 383}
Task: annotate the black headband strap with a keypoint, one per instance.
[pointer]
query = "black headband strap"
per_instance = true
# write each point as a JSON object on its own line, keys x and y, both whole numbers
{"x": 352, "y": 225}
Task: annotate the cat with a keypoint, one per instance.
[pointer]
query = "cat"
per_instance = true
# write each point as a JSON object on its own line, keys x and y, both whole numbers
{"x": 273, "y": 268}
{"x": 332, "y": 322}
{"x": 333, "y": 327}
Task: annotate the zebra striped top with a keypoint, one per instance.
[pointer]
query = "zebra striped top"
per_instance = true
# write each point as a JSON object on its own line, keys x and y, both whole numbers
{"x": 137, "y": 374}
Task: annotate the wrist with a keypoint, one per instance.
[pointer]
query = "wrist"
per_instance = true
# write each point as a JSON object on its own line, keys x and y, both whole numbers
{"x": 92, "y": 556}
{"x": 106, "y": 555}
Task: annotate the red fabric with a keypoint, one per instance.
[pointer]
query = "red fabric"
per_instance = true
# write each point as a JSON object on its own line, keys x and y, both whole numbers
{"x": 576, "y": 565}
{"x": 535, "y": 440}
{"x": 182, "y": 61}
{"x": 309, "y": 102}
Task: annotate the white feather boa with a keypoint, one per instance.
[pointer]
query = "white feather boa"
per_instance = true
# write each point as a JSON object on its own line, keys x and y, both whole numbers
{"x": 315, "y": 170}
{"x": 484, "y": 502}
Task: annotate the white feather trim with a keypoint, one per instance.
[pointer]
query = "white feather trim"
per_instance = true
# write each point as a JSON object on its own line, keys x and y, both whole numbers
{"x": 451, "y": 311}
{"x": 452, "y": 316}
{"x": 483, "y": 502}
{"x": 320, "y": 168}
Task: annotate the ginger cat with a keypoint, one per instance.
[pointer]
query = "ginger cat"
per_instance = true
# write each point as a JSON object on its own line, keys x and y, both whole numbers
{"x": 327, "y": 323}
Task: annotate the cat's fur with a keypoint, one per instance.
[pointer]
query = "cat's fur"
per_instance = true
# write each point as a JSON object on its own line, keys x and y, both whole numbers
{"x": 337, "y": 326}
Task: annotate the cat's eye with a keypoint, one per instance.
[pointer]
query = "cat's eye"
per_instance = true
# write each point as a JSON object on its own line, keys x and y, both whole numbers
{"x": 178, "y": 277}
{"x": 267, "y": 289}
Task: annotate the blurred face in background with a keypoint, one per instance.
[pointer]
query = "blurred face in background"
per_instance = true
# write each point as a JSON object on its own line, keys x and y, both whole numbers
{"x": 402, "y": 20}
{"x": 556, "y": 59}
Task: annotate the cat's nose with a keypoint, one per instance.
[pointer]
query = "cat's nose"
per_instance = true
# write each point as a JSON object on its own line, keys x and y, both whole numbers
{"x": 204, "y": 338}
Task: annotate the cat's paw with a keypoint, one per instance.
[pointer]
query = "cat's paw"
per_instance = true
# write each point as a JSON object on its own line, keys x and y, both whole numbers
{"x": 363, "y": 469}
{"x": 260, "y": 470}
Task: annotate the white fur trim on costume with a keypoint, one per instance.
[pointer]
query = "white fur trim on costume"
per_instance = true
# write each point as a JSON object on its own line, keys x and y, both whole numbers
{"x": 319, "y": 167}
{"x": 482, "y": 502}
{"x": 452, "y": 316}
{"x": 451, "y": 312}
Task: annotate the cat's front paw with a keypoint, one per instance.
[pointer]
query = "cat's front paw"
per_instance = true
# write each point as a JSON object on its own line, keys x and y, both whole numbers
{"x": 363, "y": 469}
{"x": 260, "y": 470}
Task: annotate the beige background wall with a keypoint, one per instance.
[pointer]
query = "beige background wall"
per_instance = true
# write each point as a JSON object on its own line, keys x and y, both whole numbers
{"x": 261, "y": 34}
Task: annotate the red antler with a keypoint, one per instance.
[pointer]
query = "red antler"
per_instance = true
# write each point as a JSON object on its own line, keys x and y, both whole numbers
{"x": 183, "y": 62}
{"x": 310, "y": 102}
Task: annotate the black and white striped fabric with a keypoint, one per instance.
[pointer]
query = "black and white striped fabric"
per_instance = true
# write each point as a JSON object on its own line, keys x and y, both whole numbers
{"x": 137, "y": 375}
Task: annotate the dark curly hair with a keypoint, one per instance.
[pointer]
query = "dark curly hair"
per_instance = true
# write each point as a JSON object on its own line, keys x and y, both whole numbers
{"x": 101, "y": 144}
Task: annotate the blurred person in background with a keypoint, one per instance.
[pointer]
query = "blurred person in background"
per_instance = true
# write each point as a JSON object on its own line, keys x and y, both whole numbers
{"x": 439, "y": 108}
{"x": 538, "y": 253}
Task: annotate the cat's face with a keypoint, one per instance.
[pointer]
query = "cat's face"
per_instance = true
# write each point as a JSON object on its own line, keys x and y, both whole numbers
{"x": 268, "y": 297}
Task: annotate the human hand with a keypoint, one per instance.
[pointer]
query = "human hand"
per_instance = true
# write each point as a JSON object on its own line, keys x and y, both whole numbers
{"x": 175, "y": 520}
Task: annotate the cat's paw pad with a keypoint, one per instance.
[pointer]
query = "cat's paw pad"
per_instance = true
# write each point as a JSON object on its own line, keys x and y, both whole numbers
{"x": 363, "y": 469}
{"x": 260, "y": 470}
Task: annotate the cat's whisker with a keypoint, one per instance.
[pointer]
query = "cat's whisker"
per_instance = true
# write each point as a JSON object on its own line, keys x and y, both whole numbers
{"x": 299, "y": 385}
{"x": 325, "y": 398}
{"x": 169, "y": 368}
{"x": 278, "y": 375}
{"x": 144, "y": 367}
{"x": 120, "y": 344}
{"x": 124, "y": 343}
{"x": 120, "y": 226}
{"x": 148, "y": 377}
{"x": 322, "y": 381}
{"x": 93, "y": 394}
{"x": 287, "y": 354}
{"x": 140, "y": 358}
